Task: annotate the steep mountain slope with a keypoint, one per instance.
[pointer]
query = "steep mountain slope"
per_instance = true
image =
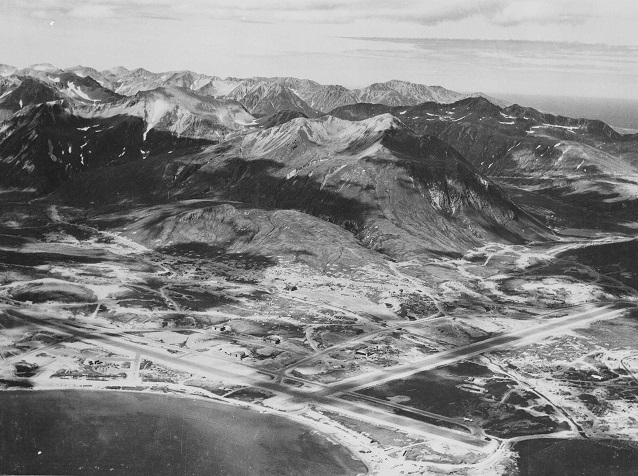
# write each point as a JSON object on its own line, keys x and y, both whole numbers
{"x": 7, "y": 84}
{"x": 43, "y": 67}
{"x": 116, "y": 71}
{"x": 391, "y": 93}
{"x": 85, "y": 71}
{"x": 377, "y": 178}
{"x": 221, "y": 88}
{"x": 25, "y": 91}
{"x": 6, "y": 70}
{"x": 279, "y": 118}
{"x": 42, "y": 145}
{"x": 186, "y": 79}
{"x": 301, "y": 87}
{"x": 59, "y": 124}
{"x": 111, "y": 75}
{"x": 328, "y": 98}
{"x": 481, "y": 131}
{"x": 265, "y": 98}
{"x": 179, "y": 112}
{"x": 263, "y": 95}
{"x": 39, "y": 71}
{"x": 242, "y": 232}
{"x": 134, "y": 81}
{"x": 573, "y": 162}
{"x": 397, "y": 192}
{"x": 20, "y": 91}
{"x": 360, "y": 111}
{"x": 404, "y": 93}
{"x": 382, "y": 93}
{"x": 578, "y": 161}
{"x": 83, "y": 89}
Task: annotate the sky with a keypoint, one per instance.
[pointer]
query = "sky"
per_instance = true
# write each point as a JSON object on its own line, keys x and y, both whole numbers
{"x": 583, "y": 48}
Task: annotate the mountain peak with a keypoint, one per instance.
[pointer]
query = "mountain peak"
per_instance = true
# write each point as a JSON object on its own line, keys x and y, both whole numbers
{"x": 43, "y": 67}
{"x": 7, "y": 70}
{"x": 117, "y": 70}
{"x": 329, "y": 132}
{"x": 82, "y": 71}
{"x": 141, "y": 73}
{"x": 384, "y": 122}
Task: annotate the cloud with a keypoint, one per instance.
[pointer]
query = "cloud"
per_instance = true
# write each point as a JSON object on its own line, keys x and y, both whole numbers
{"x": 428, "y": 13}
{"x": 92, "y": 11}
{"x": 543, "y": 12}
{"x": 511, "y": 54}
{"x": 451, "y": 11}
{"x": 424, "y": 12}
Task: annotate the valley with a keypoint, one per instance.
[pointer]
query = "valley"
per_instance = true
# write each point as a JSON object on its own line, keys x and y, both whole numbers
{"x": 95, "y": 310}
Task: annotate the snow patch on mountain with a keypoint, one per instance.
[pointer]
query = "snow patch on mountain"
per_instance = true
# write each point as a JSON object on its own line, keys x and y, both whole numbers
{"x": 154, "y": 111}
{"x": 178, "y": 111}
{"x": 74, "y": 91}
{"x": 43, "y": 67}
{"x": 327, "y": 131}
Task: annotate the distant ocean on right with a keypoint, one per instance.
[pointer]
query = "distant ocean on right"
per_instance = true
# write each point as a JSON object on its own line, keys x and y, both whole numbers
{"x": 618, "y": 113}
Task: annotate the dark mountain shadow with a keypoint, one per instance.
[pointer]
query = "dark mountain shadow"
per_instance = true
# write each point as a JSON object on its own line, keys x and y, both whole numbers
{"x": 359, "y": 111}
{"x": 30, "y": 91}
{"x": 616, "y": 260}
{"x": 431, "y": 160}
{"x": 54, "y": 145}
{"x": 279, "y": 118}
{"x": 159, "y": 142}
{"x": 551, "y": 209}
{"x": 594, "y": 202}
{"x": 156, "y": 179}
{"x": 189, "y": 175}
{"x": 255, "y": 182}
{"x": 355, "y": 205}
{"x": 219, "y": 254}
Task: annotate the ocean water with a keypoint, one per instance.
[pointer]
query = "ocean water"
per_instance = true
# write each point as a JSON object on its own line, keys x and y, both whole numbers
{"x": 577, "y": 457}
{"x": 619, "y": 113}
{"x": 97, "y": 432}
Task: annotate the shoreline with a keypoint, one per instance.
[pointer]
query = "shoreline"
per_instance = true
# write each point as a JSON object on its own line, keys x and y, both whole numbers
{"x": 330, "y": 433}
{"x": 357, "y": 444}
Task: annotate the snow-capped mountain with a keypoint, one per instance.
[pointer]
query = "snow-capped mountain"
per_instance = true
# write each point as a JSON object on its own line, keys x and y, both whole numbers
{"x": 43, "y": 67}
{"x": 580, "y": 162}
{"x": 260, "y": 95}
{"x": 57, "y": 129}
{"x": 42, "y": 145}
{"x": 404, "y": 93}
{"x": 6, "y": 70}
{"x": 17, "y": 92}
{"x": 178, "y": 111}
{"x": 493, "y": 138}
{"x": 328, "y": 98}
{"x": 266, "y": 98}
{"x": 392, "y": 189}
{"x": 57, "y": 124}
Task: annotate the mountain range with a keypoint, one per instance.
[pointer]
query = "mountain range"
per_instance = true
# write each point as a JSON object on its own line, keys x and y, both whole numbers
{"x": 405, "y": 170}
{"x": 260, "y": 95}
